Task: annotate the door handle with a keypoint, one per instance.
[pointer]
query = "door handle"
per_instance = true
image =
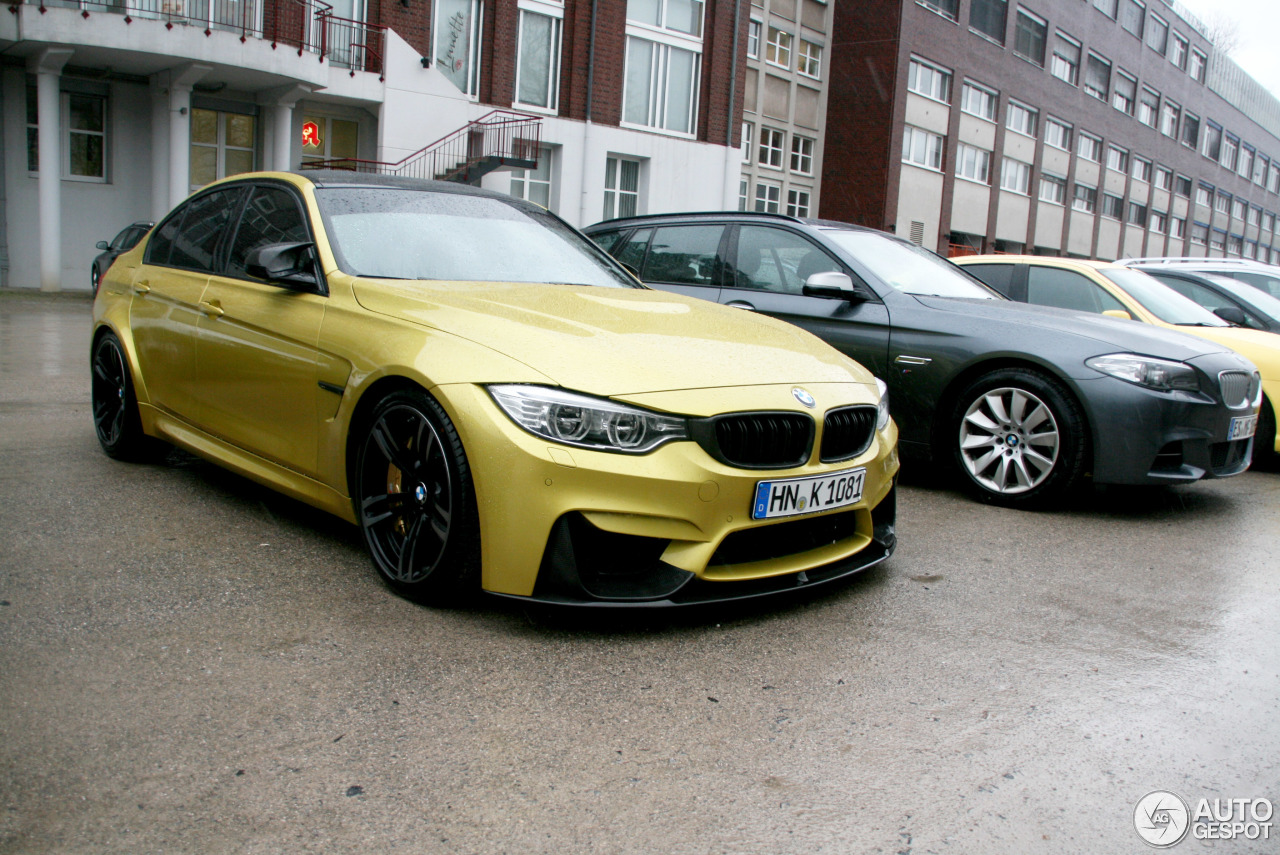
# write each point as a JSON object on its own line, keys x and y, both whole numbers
{"x": 741, "y": 304}
{"x": 142, "y": 287}
{"x": 213, "y": 310}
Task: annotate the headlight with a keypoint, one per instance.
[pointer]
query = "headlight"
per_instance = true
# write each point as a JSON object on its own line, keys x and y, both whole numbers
{"x": 882, "y": 410}
{"x": 1162, "y": 374}
{"x": 587, "y": 422}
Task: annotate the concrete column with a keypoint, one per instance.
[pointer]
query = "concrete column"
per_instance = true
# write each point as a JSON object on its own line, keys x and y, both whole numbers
{"x": 181, "y": 81}
{"x": 47, "y": 66}
{"x": 279, "y": 105}
{"x": 159, "y": 146}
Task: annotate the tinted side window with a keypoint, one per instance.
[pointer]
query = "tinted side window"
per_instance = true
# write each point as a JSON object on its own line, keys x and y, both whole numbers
{"x": 605, "y": 240}
{"x": 998, "y": 276}
{"x": 162, "y": 241}
{"x": 135, "y": 234}
{"x": 272, "y": 216}
{"x": 684, "y": 255}
{"x": 631, "y": 252}
{"x": 203, "y": 226}
{"x": 1270, "y": 284}
{"x": 1049, "y": 286}
{"x": 777, "y": 260}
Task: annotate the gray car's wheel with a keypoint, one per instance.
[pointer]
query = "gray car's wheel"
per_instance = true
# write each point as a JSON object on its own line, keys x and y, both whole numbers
{"x": 115, "y": 407}
{"x": 1019, "y": 438}
{"x": 95, "y": 279}
{"x": 415, "y": 501}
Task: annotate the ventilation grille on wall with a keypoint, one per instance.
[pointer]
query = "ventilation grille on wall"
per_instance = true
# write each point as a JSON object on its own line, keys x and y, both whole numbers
{"x": 917, "y": 232}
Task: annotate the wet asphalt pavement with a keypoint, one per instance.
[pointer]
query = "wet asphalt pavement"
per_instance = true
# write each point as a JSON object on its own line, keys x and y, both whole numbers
{"x": 190, "y": 663}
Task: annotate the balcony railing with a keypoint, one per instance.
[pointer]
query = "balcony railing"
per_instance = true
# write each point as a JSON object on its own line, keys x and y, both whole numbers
{"x": 498, "y": 139}
{"x": 307, "y": 25}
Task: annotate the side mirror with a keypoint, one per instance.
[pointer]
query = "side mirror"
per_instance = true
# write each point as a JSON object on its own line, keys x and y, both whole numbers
{"x": 286, "y": 264}
{"x": 832, "y": 285}
{"x": 1232, "y": 315}
{"x": 1118, "y": 313}
{"x": 102, "y": 244}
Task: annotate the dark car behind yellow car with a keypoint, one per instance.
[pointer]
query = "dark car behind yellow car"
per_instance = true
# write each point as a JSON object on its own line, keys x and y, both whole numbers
{"x": 493, "y": 400}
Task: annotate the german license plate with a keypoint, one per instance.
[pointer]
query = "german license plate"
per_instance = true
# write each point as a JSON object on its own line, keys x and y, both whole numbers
{"x": 1242, "y": 427}
{"x": 807, "y": 495}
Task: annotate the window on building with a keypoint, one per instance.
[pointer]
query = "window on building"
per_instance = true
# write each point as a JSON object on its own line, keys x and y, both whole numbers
{"x": 534, "y": 184}
{"x": 949, "y": 8}
{"x": 1244, "y": 167}
{"x": 1204, "y": 195}
{"x": 922, "y": 148}
{"x": 1273, "y": 176}
{"x": 1235, "y": 245}
{"x": 1164, "y": 178}
{"x": 1057, "y": 133}
{"x": 973, "y": 163}
{"x": 932, "y": 81}
{"x": 1158, "y": 221}
{"x": 325, "y": 138}
{"x": 679, "y": 16}
{"x": 1269, "y": 221}
{"x": 1197, "y": 65}
{"x": 1141, "y": 169}
{"x": 1157, "y": 34}
{"x": 1131, "y": 14}
{"x": 1178, "y": 50}
{"x": 1015, "y": 176}
{"x": 1191, "y": 130}
{"x": 1230, "y": 152}
{"x": 621, "y": 188}
{"x": 1170, "y": 113}
{"x": 1238, "y": 208}
{"x": 754, "y": 30}
{"x": 1222, "y": 203}
{"x": 768, "y": 197}
{"x": 1106, "y": 7}
{"x": 1218, "y": 240}
{"x": 1255, "y": 216}
{"x": 85, "y": 120}
{"x": 1029, "y": 36}
{"x": 772, "y": 142}
{"x": 744, "y": 186}
{"x": 538, "y": 58}
{"x": 797, "y": 203}
{"x": 457, "y": 29}
{"x": 1089, "y": 147}
{"x": 810, "y": 62}
{"x": 801, "y": 155}
{"x": 978, "y": 101}
{"x": 1199, "y": 233}
{"x": 778, "y": 50}
{"x": 1125, "y": 93}
{"x": 1112, "y": 206}
{"x": 1182, "y": 186}
{"x": 1260, "y": 164}
{"x": 1212, "y": 147}
{"x": 747, "y": 131}
{"x": 222, "y": 144}
{"x": 1178, "y": 228}
{"x": 662, "y": 75}
{"x": 989, "y": 18}
{"x": 1148, "y": 106}
{"x": 1117, "y": 159}
{"x": 1065, "y": 64}
{"x": 1085, "y": 198}
{"x": 1053, "y": 189}
{"x": 1097, "y": 77}
{"x": 1021, "y": 118}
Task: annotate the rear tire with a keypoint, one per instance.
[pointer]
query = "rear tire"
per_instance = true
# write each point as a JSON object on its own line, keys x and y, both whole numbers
{"x": 415, "y": 501}
{"x": 115, "y": 406}
{"x": 1018, "y": 438}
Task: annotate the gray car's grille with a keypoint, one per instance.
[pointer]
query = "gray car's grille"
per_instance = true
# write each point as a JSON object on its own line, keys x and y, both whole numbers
{"x": 1239, "y": 388}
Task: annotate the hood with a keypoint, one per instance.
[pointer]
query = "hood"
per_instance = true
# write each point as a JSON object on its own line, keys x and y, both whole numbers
{"x": 1113, "y": 334}
{"x": 613, "y": 342}
{"x": 1260, "y": 348}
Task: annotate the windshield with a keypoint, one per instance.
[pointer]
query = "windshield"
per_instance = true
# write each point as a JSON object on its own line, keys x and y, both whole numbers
{"x": 909, "y": 268}
{"x": 1255, "y": 296}
{"x": 393, "y": 233}
{"x": 1161, "y": 300}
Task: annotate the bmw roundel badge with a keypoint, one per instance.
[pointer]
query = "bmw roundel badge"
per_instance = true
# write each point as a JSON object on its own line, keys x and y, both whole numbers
{"x": 804, "y": 397}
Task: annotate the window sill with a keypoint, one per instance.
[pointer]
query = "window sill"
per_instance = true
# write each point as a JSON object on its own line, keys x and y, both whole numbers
{"x": 987, "y": 38}
{"x": 946, "y": 104}
{"x": 941, "y": 14}
{"x": 534, "y": 108}
{"x": 977, "y": 116}
{"x": 682, "y": 135}
{"x": 969, "y": 180}
{"x": 922, "y": 166}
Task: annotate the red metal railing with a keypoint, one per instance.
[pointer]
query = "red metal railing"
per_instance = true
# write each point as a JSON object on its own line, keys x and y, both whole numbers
{"x": 499, "y": 135}
{"x": 308, "y": 25}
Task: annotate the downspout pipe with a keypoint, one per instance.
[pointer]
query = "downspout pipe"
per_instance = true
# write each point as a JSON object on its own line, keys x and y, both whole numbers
{"x": 588, "y": 138}
{"x": 732, "y": 170}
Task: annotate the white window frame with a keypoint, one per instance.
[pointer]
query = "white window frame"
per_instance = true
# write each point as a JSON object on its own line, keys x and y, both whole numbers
{"x": 526, "y": 180}
{"x": 1060, "y": 132}
{"x": 1060, "y": 66}
{"x": 937, "y": 77}
{"x": 64, "y": 105}
{"x": 614, "y": 192}
{"x": 978, "y": 100}
{"x": 1122, "y": 102}
{"x": 809, "y": 62}
{"x": 1170, "y": 116}
{"x": 748, "y": 149}
{"x": 1140, "y": 169}
{"x": 1089, "y": 147}
{"x": 1022, "y": 118}
{"x": 771, "y": 197}
{"x": 556, "y": 13}
{"x": 471, "y": 62}
{"x": 1117, "y": 159}
{"x": 913, "y": 138}
{"x": 796, "y": 208}
{"x": 1148, "y": 114}
{"x": 1163, "y": 178}
{"x": 1180, "y": 51}
{"x": 1086, "y": 203}
{"x": 1196, "y": 66}
{"x": 1015, "y": 176}
{"x": 1178, "y": 228}
{"x": 662, "y": 43}
{"x": 973, "y": 164}
{"x": 777, "y": 51}
{"x": 755, "y": 33}
{"x": 773, "y": 142}
{"x": 802, "y": 154}
{"x": 1056, "y": 188}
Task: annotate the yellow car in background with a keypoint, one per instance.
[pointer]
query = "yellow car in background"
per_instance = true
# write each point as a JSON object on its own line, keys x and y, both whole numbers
{"x": 491, "y": 398}
{"x": 1116, "y": 290}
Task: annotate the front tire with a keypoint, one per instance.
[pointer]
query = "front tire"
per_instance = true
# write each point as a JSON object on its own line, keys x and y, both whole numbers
{"x": 1264, "y": 441}
{"x": 115, "y": 406}
{"x": 415, "y": 501}
{"x": 1019, "y": 438}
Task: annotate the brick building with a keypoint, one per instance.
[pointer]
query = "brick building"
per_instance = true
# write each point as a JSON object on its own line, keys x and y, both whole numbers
{"x": 1093, "y": 128}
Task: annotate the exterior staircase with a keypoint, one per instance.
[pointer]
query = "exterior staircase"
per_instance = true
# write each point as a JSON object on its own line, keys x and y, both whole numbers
{"x": 498, "y": 140}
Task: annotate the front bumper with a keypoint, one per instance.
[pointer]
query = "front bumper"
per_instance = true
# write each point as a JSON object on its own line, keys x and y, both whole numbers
{"x": 673, "y": 527}
{"x": 1145, "y": 437}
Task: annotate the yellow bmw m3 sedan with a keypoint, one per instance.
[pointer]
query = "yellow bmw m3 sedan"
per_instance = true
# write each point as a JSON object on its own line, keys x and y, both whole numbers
{"x": 496, "y": 403}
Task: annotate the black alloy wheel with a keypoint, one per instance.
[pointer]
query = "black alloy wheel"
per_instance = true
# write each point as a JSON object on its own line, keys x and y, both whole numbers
{"x": 1019, "y": 438}
{"x": 415, "y": 501}
{"x": 115, "y": 407}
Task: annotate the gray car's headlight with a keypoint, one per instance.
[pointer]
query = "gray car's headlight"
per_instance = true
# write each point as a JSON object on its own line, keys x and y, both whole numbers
{"x": 882, "y": 410}
{"x": 585, "y": 421}
{"x": 1163, "y": 374}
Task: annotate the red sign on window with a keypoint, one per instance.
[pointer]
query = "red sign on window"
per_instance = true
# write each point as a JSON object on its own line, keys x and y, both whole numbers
{"x": 311, "y": 135}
